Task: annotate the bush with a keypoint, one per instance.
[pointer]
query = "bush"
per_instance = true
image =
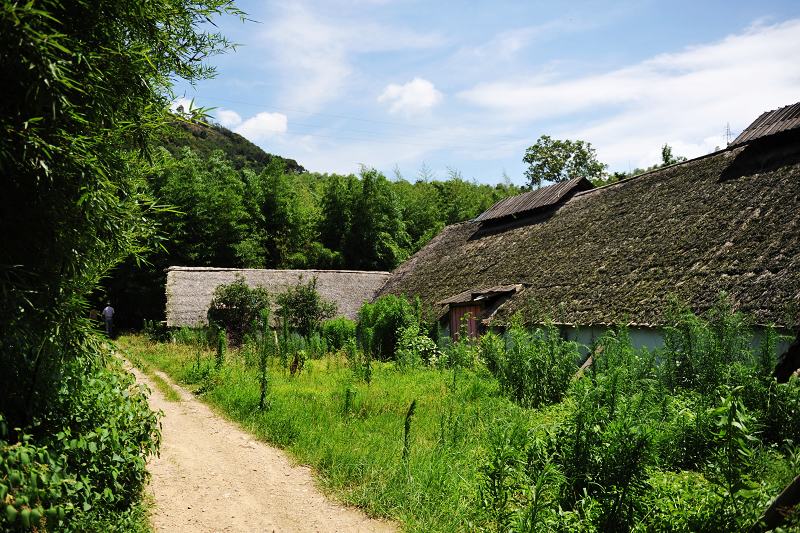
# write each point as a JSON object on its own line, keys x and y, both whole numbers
{"x": 338, "y": 331}
{"x": 535, "y": 368}
{"x": 32, "y": 481}
{"x": 108, "y": 433}
{"x": 303, "y": 309}
{"x": 414, "y": 348}
{"x": 236, "y": 307}
{"x": 385, "y": 318}
{"x": 93, "y": 468}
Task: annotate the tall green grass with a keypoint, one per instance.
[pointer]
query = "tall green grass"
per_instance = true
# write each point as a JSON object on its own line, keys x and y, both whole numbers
{"x": 439, "y": 443}
{"x": 360, "y": 454}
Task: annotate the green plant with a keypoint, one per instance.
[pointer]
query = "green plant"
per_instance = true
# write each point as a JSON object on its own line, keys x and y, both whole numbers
{"x": 235, "y": 307}
{"x": 222, "y": 344}
{"x": 303, "y": 309}
{"x": 317, "y": 345}
{"x": 734, "y": 442}
{"x": 338, "y": 331}
{"x": 199, "y": 337}
{"x": 536, "y": 367}
{"x": 700, "y": 350}
{"x": 385, "y": 318}
{"x": 349, "y": 395}
{"x": 414, "y": 349}
{"x": 407, "y": 429}
{"x": 34, "y": 485}
{"x": 265, "y": 350}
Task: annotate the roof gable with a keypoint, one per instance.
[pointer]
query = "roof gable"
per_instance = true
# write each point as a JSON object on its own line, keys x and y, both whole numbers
{"x": 530, "y": 202}
{"x": 770, "y": 123}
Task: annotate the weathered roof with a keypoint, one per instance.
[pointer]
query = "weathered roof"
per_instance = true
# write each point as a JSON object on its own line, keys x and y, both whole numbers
{"x": 472, "y": 295}
{"x": 771, "y": 122}
{"x": 528, "y": 202}
{"x": 729, "y": 221}
{"x": 190, "y": 289}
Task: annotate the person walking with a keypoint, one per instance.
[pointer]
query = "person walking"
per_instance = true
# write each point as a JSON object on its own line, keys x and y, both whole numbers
{"x": 108, "y": 318}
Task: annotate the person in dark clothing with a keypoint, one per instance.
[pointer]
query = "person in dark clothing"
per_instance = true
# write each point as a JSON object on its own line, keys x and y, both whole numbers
{"x": 108, "y": 319}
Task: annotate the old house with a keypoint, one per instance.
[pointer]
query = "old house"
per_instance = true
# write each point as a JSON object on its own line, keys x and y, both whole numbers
{"x": 190, "y": 289}
{"x": 590, "y": 257}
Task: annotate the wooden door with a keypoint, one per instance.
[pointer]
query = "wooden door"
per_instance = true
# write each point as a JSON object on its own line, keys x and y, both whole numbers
{"x": 464, "y": 315}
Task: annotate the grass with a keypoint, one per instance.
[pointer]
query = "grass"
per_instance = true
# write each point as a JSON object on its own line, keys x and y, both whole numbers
{"x": 359, "y": 454}
{"x": 169, "y": 393}
{"x": 436, "y": 450}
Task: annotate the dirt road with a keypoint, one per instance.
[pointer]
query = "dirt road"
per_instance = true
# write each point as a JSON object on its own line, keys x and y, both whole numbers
{"x": 212, "y": 476}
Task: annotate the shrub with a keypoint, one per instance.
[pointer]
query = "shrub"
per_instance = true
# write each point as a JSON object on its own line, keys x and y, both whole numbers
{"x": 94, "y": 468}
{"x": 338, "y": 331}
{"x": 536, "y": 366}
{"x": 303, "y": 309}
{"x": 199, "y": 337}
{"x": 385, "y": 317}
{"x": 317, "y": 345}
{"x": 108, "y": 433}
{"x": 700, "y": 350}
{"x": 413, "y": 348}
{"x": 235, "y": 308}
{"x": 32, "y": 481}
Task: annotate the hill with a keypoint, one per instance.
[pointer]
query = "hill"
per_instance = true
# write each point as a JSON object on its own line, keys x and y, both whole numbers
{"x": 206, "y": 138}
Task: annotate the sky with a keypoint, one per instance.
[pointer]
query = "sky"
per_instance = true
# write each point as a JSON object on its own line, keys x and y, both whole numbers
{"x": 431, "y": 88}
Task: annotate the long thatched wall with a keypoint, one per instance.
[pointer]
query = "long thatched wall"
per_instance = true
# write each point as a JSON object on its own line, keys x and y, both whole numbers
{"x": 190, "y": 289}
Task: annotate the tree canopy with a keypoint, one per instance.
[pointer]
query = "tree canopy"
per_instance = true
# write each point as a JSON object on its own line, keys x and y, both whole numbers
{"x": 557, "y": 160}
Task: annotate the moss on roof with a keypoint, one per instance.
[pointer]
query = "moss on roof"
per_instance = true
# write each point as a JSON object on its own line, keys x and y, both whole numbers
{"x": 728, "y": 222}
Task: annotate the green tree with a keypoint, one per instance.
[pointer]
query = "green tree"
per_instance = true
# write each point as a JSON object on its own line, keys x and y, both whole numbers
{"x": 303, "y": 308}
{"x": 337, "y": 210}
{"x": 86, "y": 85}
{"x": 211, "y": 217}
{"x": 557, "y": 160}
{"x": 85, "y": 82}
{"x": 667, "y": 158}
{"x": 377, "y": 239}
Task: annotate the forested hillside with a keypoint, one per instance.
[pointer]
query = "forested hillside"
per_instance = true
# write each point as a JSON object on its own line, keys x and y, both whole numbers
{"x": 233, "y": 205}
{"x": 205, "y": 138}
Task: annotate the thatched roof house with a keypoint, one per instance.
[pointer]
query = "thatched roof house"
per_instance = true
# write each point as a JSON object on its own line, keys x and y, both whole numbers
{"x": 728, "y": 221}
{"x": 190, "y": 289}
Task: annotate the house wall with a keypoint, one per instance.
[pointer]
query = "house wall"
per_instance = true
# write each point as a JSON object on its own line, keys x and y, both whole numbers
{"x": 190, "y": 290}
{"x": 650, "y": 338}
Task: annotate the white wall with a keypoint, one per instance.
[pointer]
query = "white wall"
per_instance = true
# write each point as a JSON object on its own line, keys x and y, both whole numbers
{"x": 650, "y": 338}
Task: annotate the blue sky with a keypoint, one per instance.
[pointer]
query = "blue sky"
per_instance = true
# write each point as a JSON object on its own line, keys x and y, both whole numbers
{"x": 467, "y": 86}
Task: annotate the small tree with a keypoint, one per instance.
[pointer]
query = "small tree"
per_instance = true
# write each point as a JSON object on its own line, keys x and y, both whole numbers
{"x": 235, "y": 307}
{"x": 556, "y": 160}
{"x": 667, "y": 158}
{"x": 303, "y": 308}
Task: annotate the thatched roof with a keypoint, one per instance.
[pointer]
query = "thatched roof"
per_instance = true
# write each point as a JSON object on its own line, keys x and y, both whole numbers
{"x": 771, "y": 122}
{"x": 189, "y": 289}
{"x": 729, "y": 221}
{"x": 527, "y": 203}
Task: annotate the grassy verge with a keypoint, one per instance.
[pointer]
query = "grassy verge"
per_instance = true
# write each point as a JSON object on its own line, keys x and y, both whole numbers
{"x": 357, "y": 444}
{"x": 170, "y": 394}
{"x": 633, "y": 446}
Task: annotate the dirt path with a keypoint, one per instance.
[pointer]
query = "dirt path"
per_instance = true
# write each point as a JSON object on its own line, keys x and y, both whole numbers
{"x": 212, "y": 476}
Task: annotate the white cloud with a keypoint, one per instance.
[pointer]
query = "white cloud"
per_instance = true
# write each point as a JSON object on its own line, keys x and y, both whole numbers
{"x": 228, "y": 118}
{"x": 682, "y": 98}
{"x": 315, "y": 54}
{"x": 412, "y": 97}
{"x": 263, "y": 126}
